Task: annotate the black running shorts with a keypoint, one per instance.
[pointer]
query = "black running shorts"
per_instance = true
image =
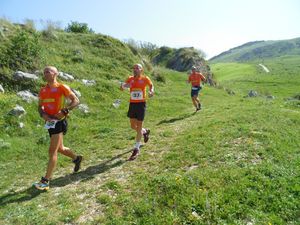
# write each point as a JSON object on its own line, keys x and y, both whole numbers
{"x": 137, "y": 111}
{"x": 60, "y": 126}
{"x": 195, "y": 91}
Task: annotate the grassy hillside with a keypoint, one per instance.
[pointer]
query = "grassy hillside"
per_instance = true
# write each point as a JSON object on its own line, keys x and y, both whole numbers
{"x": 282, "y": 81}
{"x": 234, "y": 162}
{"x": 259, "y": 50}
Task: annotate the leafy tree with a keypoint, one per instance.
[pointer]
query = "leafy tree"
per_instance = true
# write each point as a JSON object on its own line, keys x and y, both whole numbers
{"x": 77, "y": 27}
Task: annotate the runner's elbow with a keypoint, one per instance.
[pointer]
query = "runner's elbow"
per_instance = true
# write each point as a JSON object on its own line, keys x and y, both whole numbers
{"x": 77, "y": 102}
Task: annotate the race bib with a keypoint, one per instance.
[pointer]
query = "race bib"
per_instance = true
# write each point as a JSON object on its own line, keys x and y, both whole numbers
{"x": 195, "y": 88}
{"x": 136, "y": 95}
{"x": 50, "y": 124}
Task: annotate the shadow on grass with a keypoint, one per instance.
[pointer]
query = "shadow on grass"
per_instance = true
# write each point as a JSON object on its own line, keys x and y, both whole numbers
{"x": 88, "y": 173}
{"x": 84, "y": 175}
{"x": 182, "y": 117}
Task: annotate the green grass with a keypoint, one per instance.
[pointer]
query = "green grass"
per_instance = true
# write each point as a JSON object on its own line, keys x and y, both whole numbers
{"x": 282, "y": 82}
{"x": 227, "y": 164}
{"x": 234, "y": 162}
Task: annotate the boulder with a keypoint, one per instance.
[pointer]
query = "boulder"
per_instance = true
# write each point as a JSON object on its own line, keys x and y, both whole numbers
{"x": 27, "y": 96}
{"x": 76, "y": 92}
{"x": 116, "y": 103}
{"x": 89, "y": 82}
{"x": 65, "y": 76}
{"x": 270, "y": 97}
{"x": 84, "y": 108}
{"x": 17, "y": 111}
{"x": 4, "y": 144}
{"x": 252, "y": 93}
{"x": 19, "y": 76}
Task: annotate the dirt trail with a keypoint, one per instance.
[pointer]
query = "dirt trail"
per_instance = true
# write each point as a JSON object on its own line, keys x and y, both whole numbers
{"x": 264, "y": 68}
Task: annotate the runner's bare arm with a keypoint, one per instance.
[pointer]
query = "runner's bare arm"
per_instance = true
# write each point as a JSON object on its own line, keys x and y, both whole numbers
{"x": 124, "y": 85}
{"x": 74, "y": 101}
{"x": 151, "y": 91}
{"x": 188, "y": 79}
{"x": 65, "y": 111}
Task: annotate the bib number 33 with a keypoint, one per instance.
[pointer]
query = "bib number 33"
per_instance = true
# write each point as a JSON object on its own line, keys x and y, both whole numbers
{"x": 136, "y": 95}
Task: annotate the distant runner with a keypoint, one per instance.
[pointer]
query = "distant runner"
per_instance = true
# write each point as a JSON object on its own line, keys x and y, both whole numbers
{"x": 195, "y": 79}
{"x": 137, "y": 107}
{"x": 52, "y": 110}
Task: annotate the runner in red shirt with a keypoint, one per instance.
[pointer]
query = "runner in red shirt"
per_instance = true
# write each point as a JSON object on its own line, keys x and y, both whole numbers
{"x": 195, "y": 79}
{"x": 137, "y": 106}
{"x": 52, "y": 109}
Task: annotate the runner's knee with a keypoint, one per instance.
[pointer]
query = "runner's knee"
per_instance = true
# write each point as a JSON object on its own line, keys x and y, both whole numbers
{"x": 133, "y": 126}
{"x": 53, "y": 155}
{"x": 61, "y": 149}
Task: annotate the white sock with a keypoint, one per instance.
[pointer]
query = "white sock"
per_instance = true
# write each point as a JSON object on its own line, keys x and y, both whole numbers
{"x": 137, "y": 145}
{"x": 144, "y": 130}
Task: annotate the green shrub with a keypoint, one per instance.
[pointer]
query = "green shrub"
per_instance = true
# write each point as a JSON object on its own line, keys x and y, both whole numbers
{"x": 29, "y": 25}
{"x": 22, "y": 52}
{"x": 51, "y": 29}
{"x": 77, "y": 27}
{"x": 77, "y": 56}
{"x": 157, "y": 76}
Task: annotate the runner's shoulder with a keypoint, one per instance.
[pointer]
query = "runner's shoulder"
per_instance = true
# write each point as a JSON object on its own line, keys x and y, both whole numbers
{"x": 145, "y": 77}
{"x": 130, "y": 77}
{"x": 64, "y": 86}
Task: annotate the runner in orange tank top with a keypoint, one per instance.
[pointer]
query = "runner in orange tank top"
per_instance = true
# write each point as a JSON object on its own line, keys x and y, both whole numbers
{"x": 195, "y": 79}
{"x": 52, "y": 109}
{"x": 137, "y": 106}
{"x": 52, "y": 99}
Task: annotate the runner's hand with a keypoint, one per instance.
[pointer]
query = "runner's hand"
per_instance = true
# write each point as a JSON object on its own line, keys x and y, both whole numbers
{"x": 61, "y": 114}
{"x": 121, "y": 86}
{"x": 46, "y": 117}
{"x": 151, "y": 93}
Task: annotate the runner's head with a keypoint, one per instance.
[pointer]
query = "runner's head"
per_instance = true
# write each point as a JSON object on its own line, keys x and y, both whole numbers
{"x": 50, "y": 73}
{"x": 50, "y": 69}
{"x": 137, "y": 69}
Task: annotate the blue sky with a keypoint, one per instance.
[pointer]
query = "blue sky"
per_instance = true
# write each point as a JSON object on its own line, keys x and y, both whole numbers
{"x": 213, "y": 26}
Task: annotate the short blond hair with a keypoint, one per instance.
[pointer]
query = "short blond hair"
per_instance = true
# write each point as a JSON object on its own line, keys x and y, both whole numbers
{"x": 139, "y": 66}
{"x": 52, "y": 68}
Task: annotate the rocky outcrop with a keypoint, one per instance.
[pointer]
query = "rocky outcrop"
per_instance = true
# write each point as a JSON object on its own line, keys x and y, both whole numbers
{"x": 88, "y": 82}
{"x": 182, "y": 60}
{"x": 65, "y": 76}
{"x": 17, "y": 111}
{"x": 27, "y": 96}
{"x": 19, "y": 76}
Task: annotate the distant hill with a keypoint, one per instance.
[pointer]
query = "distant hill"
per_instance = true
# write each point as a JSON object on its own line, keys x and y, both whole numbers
{"x": 258, "y": 50}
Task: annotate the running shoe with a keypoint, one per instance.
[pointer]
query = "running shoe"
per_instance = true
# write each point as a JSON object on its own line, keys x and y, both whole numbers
{"x": 146, "y": 135}
{"x": 43, "y": 185}
{"x": 134, "y": 154}
{"x": 77, "y": 163}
